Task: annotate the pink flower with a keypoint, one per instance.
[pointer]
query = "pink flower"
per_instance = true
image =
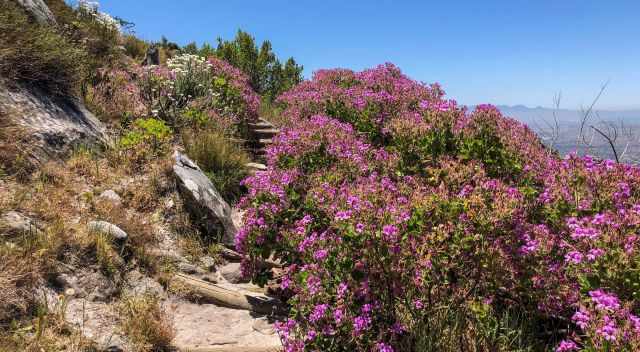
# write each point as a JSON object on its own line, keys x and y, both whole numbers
{"x": 566, "y": 346}
{"x": 573, "y": 257}
{"x": 604, "y": 301}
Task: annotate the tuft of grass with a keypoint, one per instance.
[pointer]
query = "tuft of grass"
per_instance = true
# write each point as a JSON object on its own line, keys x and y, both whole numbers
{"x": 223, "y": 160}
{"x": 14, "y": 149}
{"x": 146, "y": 324}
{"x": 106, "y": 255}
{"x": 18, "y": 276}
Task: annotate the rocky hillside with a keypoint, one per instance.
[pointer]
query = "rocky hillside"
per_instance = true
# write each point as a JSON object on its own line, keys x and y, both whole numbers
{"x": 163, "y": 198}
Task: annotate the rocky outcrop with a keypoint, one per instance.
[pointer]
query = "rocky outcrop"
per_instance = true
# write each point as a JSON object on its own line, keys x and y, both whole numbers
{"x": 38, "y": 10}
{"x": 203, "y": 201}
{"x": 50, "y": 127}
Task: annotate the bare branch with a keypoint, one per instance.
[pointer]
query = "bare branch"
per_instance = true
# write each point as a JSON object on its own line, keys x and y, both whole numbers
{"x": 609, "y": 140}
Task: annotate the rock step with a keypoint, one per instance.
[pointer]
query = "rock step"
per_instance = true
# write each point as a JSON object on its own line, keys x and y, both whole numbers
{"x": 211, "y": 328}
{"x": 255, "y": 167}
{"x": 260, "y": 125}
{"x": 265, "y": 133}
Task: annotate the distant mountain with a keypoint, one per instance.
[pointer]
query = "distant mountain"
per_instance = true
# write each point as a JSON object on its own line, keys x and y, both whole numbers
{"x": 539, "y": 114}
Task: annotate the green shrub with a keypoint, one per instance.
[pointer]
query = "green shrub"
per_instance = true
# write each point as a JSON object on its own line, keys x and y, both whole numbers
{"x": 134, "y": 47}
{"x": 151, "y": 132}
{"x": 223, "y": 160}
{"x": 37, "y": 54}
{"x": 147, "y": 138}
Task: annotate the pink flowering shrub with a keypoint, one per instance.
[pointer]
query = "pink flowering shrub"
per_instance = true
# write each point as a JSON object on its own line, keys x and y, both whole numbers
{"x": 116, "y": 94}
{"x": 390, "y": 205}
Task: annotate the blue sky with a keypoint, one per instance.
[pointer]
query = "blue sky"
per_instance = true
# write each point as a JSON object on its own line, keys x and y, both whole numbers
{"x": 500, "y": 52}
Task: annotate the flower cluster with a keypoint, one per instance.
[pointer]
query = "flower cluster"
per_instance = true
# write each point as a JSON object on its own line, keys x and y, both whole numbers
{"x": 92, "y": 8}
{"x": 388, "y": 202}
{"x": 191, "y": 81}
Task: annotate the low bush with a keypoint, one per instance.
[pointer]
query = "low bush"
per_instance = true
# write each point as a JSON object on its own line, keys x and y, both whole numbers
{"x": 147, "y": 138}
{"x": 135, "y": 47}
{"x": 115, "y": 94}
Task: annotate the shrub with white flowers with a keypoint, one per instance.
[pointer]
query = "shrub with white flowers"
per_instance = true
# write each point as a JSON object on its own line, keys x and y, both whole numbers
{"x": 92, "y": 8}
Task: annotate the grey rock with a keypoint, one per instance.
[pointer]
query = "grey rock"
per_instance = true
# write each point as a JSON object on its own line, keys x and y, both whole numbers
{"x": 152, "y": 57}
{"x": 14, "y": 223}
{"x": 210, "y": 278}
{"x": 202, "y": 200}
{"x": 52, "y": 126}
{"x": 139, "y": 284}
{"x": 86, "y": 283}
{"x": 232, "y": 273}
{"x": 112, "y": 196}
{"x": 98, "y": 321}
{"x": 108, "y": 229}
{"x": 188, "y": 268}
{"x": 39, "y": 10}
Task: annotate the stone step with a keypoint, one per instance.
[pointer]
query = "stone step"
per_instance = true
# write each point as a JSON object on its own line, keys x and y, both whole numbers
{"x": 265, "y": 133}
{"x": 253, "y": 167}
{"x": 260, "y": 125}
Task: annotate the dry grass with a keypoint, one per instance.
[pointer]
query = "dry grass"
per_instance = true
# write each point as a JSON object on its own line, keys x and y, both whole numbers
{"x": 14, "y": 146}
{"x": 146, "y": 324}
{"x": 223, "y": 160}
{"x": 18, "y": 276}
{"x": 62, "y": 198}
{"x": 47, "y": 331}
{"x": 38, "y": 54}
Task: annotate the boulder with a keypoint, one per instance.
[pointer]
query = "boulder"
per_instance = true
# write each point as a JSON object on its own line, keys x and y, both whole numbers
{"x": 14, "y": 223}
{"x": 38, "y": 10}
{"x": 232, "y": 272}
{"x": 107, "y": 228}
{"x": 51, "y": 127}
{"x": 203, "y": 201}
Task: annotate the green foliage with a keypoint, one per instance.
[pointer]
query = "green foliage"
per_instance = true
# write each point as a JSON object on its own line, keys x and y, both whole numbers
{"x": 148, "y": 137}
{"x": 476, "y": 327}
{"x": 267, "y": 74}
{"x": 223, "y": 160}
{"x": 485, "y": 145}
{"x": 135, "y": 47}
